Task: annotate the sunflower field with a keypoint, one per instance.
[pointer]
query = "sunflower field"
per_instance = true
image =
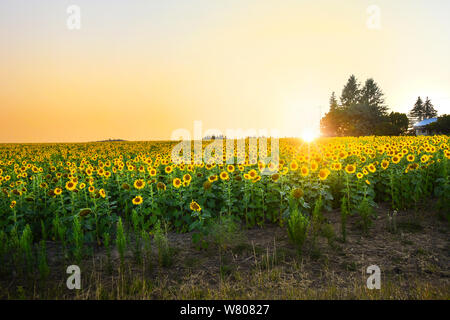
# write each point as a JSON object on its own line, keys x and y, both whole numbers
{"x": 82, "y": 195}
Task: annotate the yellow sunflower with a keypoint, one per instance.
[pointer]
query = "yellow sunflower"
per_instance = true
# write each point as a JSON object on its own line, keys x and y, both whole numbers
{"x": 195, "y": 206}
{"x": 224, "y": 175}
{"x": 323, "y": 174}
{"x": 424, "y": 158}
{"x": 230, "y": 168}
{"x": 70, "y": 185}
{"x": 168, "y": 169}
{"x": 176, "y": 182}
{"x": 137, "y": 200}
{"x": 252, "y": 174}
{"x": 139, "y": 184}
{"x": 304, "y": 171}
{"x": 293, "y": 165}
{"x": 350, "y": 168}
{"x": 396, "y": 159}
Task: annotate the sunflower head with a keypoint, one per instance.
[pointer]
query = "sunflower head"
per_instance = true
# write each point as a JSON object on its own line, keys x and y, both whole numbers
{"x": 137, "y": 200}
{"x": 323, "y": 174}
{"x": 85, "y": 212}
{"x": 161, "y": 186}
{"x": 293, "y": 165}
{"x": 396, "y": 159}
{"x": 70, "y": 185}
{"x": 304, "y": 171}
{"x": 176, "y": 182}
{"x": 297, "y": 193}
{"x": 275, "y": 177}
{"x": 207, "y": 185}
{"x": 139, "y": 184}
{"x": 168, "y": 169}
{"x": 195, "y": 206}
{"x": 224, "y": 175}
{"x": 230, "y": 168}
{"x": 350, "y": 168}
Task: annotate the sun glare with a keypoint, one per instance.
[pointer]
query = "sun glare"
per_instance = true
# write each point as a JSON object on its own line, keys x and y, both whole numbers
{"x": 308, "y": 135}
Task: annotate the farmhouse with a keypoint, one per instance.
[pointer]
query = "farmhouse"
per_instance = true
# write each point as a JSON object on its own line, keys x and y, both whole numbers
{"x": 420, "y": 127}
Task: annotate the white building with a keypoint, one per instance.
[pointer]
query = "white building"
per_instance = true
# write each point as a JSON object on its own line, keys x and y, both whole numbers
{"x": 420, "y": 129}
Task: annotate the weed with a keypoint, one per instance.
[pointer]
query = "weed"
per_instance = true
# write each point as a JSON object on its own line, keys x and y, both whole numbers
{"x": 298, "y": 225}
{"x": 26, "y": 247}
{"x": 44, "y": 270}
{"x": 78, "y": 238}
{"x": 121, "y": 241}
{"x": 162, "y": 243}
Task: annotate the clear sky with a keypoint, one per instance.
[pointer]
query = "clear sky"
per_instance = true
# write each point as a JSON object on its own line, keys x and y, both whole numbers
{"x": 138, "y": 70}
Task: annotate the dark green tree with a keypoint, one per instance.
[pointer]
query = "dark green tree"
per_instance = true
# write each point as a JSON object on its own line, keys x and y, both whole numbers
{"x": 333, "y": 102}
{"x": 417, "y": 113}
{"x": 351, "y": 93}
{"x": 373, "y": 98}
{"x": 335, "y": 123}
{"x": 429, "y": 111}
{"x": 396, "y": 124}
{"x": 441, "y": 126}
{"x": 331, "y": 123}
{"x": 361, "y": 120}
{"x": 369, "y": 111}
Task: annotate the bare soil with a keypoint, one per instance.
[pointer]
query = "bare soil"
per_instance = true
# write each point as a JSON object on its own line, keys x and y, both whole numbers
{"x": 263, "y": 263}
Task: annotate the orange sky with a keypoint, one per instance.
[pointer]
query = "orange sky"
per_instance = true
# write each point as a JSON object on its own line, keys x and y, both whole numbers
{"x": 138, "y": 70}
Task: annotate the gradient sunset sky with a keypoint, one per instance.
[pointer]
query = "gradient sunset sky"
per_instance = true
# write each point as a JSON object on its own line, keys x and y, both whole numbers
{"x": 138, "y": 70}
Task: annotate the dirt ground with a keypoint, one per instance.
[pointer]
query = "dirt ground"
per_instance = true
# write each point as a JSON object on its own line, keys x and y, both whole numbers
{"x": 262, "y": 263}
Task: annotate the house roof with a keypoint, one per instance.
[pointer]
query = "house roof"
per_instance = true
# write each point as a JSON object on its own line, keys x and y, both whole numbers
{"x": 425, "y": 122}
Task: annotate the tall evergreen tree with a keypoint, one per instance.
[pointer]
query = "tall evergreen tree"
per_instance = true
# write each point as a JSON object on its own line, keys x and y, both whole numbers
{"x": 351, "y": 93}
{"x": 429, "y": 111}
{"x": 333, "y": 102}
{"x": 373, "y": 99}
{"x": 417, "y": 113}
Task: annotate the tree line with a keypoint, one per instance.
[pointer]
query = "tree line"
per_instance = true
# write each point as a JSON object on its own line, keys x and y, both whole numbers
{"x": 361, "y": 111}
